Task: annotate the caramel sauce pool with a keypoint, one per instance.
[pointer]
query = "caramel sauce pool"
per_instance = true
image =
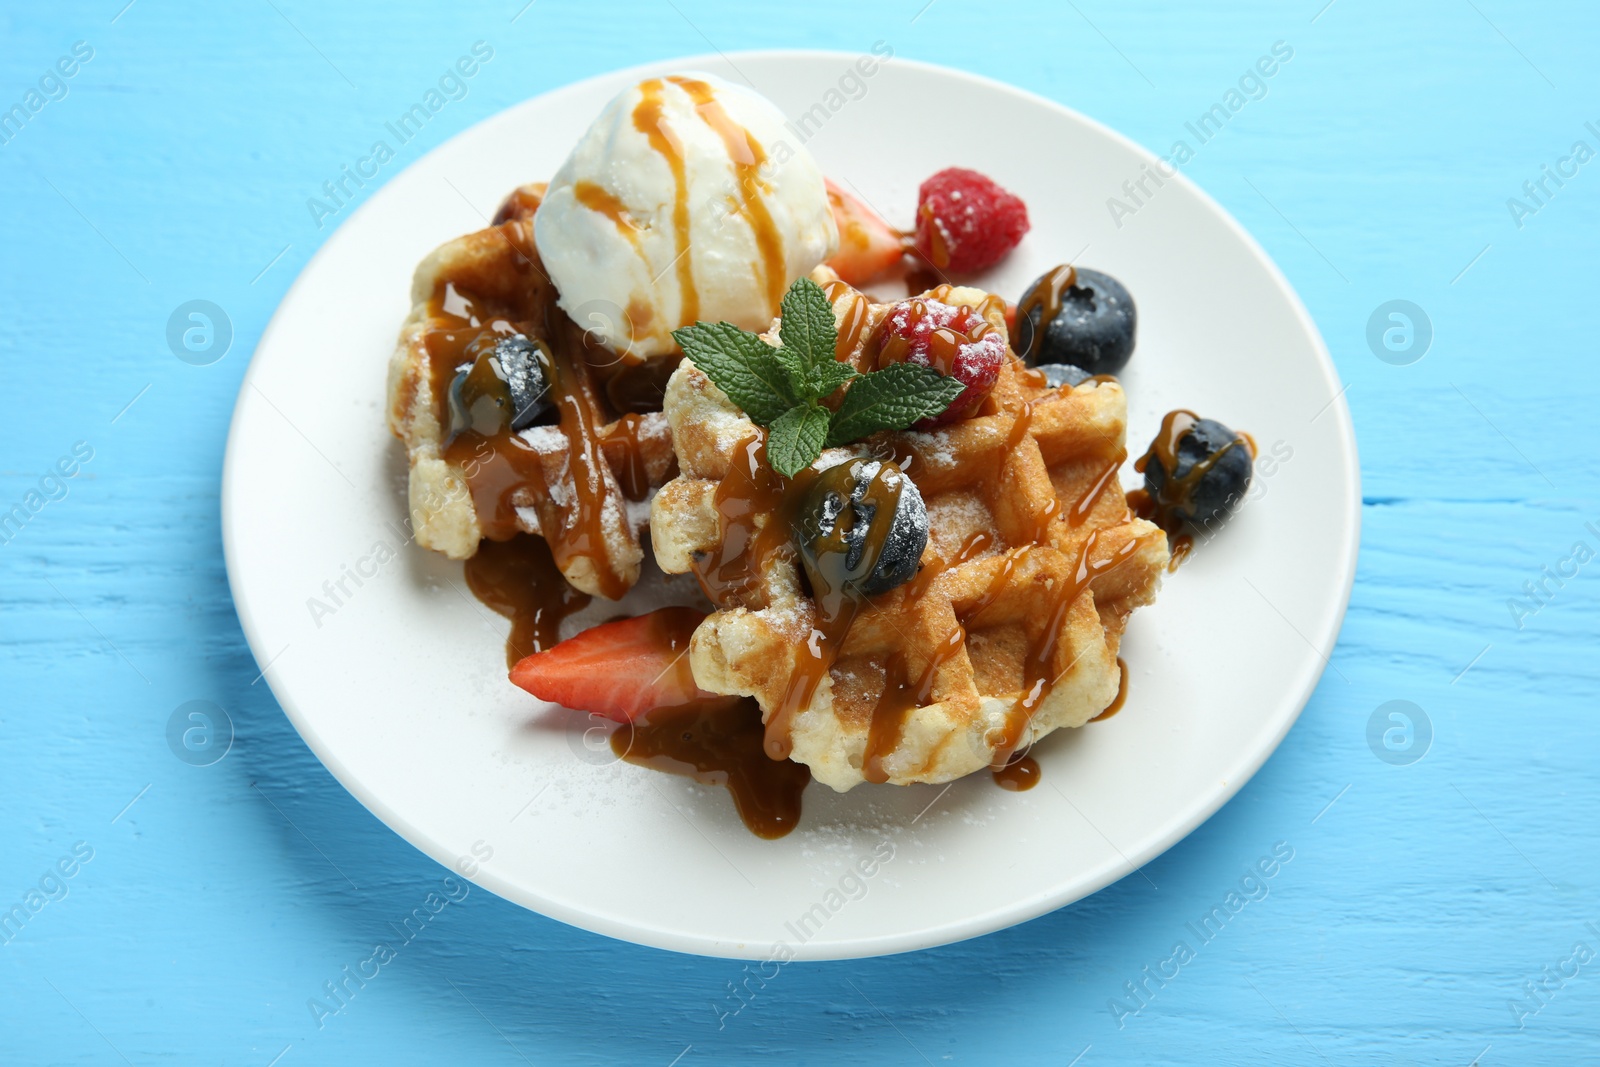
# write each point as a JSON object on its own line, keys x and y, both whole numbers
{"x": 518, "y": 579}
{"x": 721, "y": 742}
{"x": 1018, "y": 776}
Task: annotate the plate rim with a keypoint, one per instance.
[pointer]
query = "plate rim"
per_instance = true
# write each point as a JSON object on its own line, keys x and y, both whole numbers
{"x": 1197, "y": 812}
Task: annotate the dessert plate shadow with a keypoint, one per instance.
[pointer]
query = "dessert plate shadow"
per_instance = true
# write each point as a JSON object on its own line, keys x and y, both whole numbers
{"x": 397, "y": 680}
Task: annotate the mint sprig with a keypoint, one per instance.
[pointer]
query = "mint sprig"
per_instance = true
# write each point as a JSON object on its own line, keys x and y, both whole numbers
{"x": 894, "y": 397}
{"x": 781, "y": 387}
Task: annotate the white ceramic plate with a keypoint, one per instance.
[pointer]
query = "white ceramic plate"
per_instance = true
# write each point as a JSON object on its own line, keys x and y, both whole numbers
{"x": 401, "y": 690}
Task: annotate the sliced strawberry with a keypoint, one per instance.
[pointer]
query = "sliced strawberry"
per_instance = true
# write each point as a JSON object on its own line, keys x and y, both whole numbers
{"x": 868, "y": 246}
{"x": 622, "y": 670}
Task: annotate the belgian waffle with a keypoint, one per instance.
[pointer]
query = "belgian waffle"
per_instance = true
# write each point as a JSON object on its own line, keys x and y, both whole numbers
{"x": 582, "y": 482}
{"x": 1011, "y": 628}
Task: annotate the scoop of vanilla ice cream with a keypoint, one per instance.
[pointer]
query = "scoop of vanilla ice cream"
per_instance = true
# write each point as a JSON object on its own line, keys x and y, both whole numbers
{"x": 687, "y": 200}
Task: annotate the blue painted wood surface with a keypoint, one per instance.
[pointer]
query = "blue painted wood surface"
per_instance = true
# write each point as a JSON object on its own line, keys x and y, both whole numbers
{"x": 1422, "y": 900}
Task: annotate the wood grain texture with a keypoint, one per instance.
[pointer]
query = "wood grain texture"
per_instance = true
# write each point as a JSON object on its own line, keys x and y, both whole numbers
{"x": 1376, "y": 167}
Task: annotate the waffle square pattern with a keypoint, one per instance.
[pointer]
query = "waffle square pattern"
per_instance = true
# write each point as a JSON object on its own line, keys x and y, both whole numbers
{"x": 1009, "y": 630}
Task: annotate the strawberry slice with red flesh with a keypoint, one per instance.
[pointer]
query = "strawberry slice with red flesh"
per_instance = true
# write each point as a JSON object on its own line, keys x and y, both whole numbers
{"x": 623, "y": 670}
{"x": 868, "y": 246}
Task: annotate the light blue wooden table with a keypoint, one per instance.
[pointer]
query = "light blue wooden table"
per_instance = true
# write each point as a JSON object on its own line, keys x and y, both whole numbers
{"x": 1433, "y": 909}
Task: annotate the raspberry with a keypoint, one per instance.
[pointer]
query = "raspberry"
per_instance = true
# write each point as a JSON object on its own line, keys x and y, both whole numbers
{"x": 952, "y": 339}
{"x": 965, "y": 222}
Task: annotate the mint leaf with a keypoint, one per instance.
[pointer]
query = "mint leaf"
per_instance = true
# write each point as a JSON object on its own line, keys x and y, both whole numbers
{"x": 826, "y": 377}
{"x": 779, "y": 387}
{"x": 741, "y": 365}
{"x": 891, "y": 399}
{"x": 794, "y": 440}
{"x": 807, "y": 327}
{"x": 796, "y": 369}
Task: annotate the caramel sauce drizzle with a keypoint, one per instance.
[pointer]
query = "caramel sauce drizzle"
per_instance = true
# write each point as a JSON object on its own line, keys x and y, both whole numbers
{"x": 580, "y": 532}
{"x": 1046, "y": 296}
{"x": 720, "y": 742}
{"x": 1035, "y": 377}
{"x": 1122, "y": 692}
{"x": 944, "y": 344}
{"x": 939, "y": 243}
{"x": 901, "y": 693}
{"x": 748, "y": 158}
{"x": 834, "y": 588}
{"x": 648, "y": 120}
{"x": 521, "y": 203}
{"x": 1037, "y": 666}
{"x": 889, "y": 715}
{"x": 854, "y": 322}
{"x": 1085, "y": 504}
{"x": 601, "y": 200}
{"x": 893, "y": 709}
{"x": 997, "y": 585}
{"x": 813, "y": 660}
{"x": 517, "y": 574}
{"x": 461, "y": 332}
{"x": 579, "y": 522}
{"x": 1019, "y": 432}
{"x": 730, "y": 575}
{"x": 988, "y": 308}
{"x": 500, "y": 467}
{"x": 518, "y": 579}
{"x": 1182, "y": 546}
{"x": 622, "y": 451}
{"x": 895, "y": 704}
{"x": 970, "y": 549}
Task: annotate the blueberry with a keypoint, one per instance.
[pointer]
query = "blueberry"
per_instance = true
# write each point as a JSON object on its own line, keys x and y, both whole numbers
{"x": 1197, "y": 471}
{"x": 1092, "y": 325}
{"x": 505, "y": 387}
{"x": 861, "y": 529}
{"x": 1058, "y": 374}
{"x": 526, "y": 372}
